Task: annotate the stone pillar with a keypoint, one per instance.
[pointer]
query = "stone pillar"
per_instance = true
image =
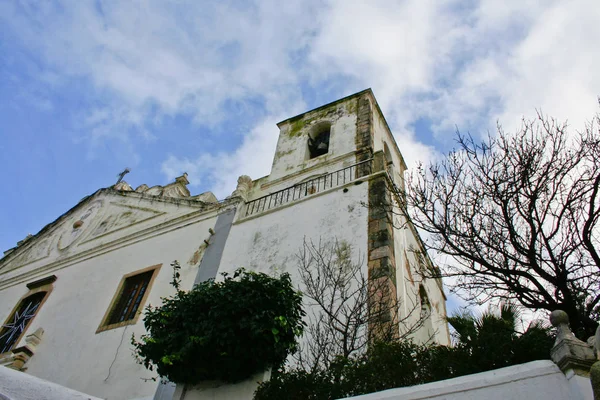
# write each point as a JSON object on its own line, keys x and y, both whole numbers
{"x": 379, "y": 162}
{"x": 381, "y": 262}
{"x": 364, "y": 129}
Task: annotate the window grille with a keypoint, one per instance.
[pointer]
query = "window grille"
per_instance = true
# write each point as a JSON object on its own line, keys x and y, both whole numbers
{"x": 129, "y": 301}
{"x": 18, "y": 322}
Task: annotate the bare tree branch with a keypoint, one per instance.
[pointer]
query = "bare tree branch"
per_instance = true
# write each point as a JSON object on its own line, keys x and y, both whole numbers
{"x": 519, "y": 215}
{"x": 347, "y": 309}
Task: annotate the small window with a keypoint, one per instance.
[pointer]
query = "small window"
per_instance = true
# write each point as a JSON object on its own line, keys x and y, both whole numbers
{"x": 318, "y": 140}
{"x": 129, "y": 299}
{"x": 17, "y": 323}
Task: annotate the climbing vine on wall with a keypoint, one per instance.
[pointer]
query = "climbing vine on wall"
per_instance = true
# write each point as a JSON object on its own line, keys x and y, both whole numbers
{"x": 225, "y": 330}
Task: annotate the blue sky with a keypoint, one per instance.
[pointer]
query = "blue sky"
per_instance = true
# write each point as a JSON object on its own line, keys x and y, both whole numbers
{"x": 90, "y": 87}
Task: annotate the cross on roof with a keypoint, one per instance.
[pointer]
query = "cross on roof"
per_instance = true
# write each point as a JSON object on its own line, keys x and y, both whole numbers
{"x": 122, "y": 174}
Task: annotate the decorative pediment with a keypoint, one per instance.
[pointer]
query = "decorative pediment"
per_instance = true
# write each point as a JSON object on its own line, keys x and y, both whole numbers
{"x": 38, "y": 251}
{"x": 122, "y": 216}
{"x": 106, "y": 218}
{"x": 81, "y": 222}
{"x": 58, "y": 235}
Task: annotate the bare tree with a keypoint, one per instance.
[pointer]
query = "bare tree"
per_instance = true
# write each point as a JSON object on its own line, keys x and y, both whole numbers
{"x": 519, "y": 214}
{"x": 348, "y": 309}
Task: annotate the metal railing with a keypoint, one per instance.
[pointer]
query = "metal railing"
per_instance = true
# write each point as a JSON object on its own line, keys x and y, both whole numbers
{"x": 307, "y": 188}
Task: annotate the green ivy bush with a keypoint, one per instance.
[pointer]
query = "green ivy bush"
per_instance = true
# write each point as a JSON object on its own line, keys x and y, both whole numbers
{"x": 226, "y": 330}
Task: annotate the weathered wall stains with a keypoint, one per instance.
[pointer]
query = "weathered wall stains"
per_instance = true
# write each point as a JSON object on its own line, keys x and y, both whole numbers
{"x": 212, "y": 256}
{"x": 380, "y": 247}
{"x": 292, "y": 154}
{"x": 382, "y": 262}
{"x": 364, "y": 128}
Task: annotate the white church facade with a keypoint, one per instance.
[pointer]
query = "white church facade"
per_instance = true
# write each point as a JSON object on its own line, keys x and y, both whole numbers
{"x": 72, "y": 295}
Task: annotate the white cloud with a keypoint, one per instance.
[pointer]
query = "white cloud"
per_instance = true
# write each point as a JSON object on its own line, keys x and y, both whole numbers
{"x": 220, "y": 171}
{"x": 466, "y": 67}
{"x": 546, "y": 63}
{"x": 457, "y": 67}
{"x": 181, "y": 57}
{"x": 455, "y": 64}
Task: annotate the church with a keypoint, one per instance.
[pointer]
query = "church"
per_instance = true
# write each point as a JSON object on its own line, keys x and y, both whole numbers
{"x": 72, "y": 295}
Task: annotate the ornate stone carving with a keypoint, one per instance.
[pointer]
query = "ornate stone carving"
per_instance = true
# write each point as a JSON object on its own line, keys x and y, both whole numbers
{"x": 175, "y": 189}
{"x": 123, "y": 187}
{"x": 19, "y": 356}
{"x": 142, "y": 188}
{"x": 122, "y": 217}
{"x": 78, "y": 224}
{"x": 244, "y": 184}
{"x": 206, "y": 197}
{"x": 29, "y": 255}
{"x": 569, "y": 353}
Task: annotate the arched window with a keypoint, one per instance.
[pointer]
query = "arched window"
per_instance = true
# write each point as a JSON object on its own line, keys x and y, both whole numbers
{"x": 19, "y": 320}
{"x": 389, "y": 162}
{"x": 318, "y": 140}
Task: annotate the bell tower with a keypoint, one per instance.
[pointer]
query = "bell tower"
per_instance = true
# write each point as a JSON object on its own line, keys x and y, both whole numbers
{"x": 321, "y": 138}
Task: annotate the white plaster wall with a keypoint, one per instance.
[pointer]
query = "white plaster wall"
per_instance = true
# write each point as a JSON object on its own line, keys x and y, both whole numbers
{"x": 292, "y": 149}
{"x": 537, "y": 380}
{"x": 9, "y": 298}
{"x": 124, "y": 216}
{"x": 381, "y": 135}
{"x": 406, "y": 278}
{"x": 15, "y": 385}
{"x": 409, "y": 278}
{"x": 270, "y": 242}
{"x": 219, "y": 391}
{"x": 71, "y": 353}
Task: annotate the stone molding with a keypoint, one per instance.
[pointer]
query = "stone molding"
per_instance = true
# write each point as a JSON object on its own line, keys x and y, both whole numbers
{"x": 21, "y": 355}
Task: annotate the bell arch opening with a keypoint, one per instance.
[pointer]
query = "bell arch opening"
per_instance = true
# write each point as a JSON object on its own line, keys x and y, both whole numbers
{"x": 318, "y": 140}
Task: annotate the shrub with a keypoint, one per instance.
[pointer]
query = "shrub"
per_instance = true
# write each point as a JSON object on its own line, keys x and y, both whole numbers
{"x": 491, "y": 341}
{"x": 384, "y": 366}
{"x": 224, "y": 331}
{"x": 484, "y": 343}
